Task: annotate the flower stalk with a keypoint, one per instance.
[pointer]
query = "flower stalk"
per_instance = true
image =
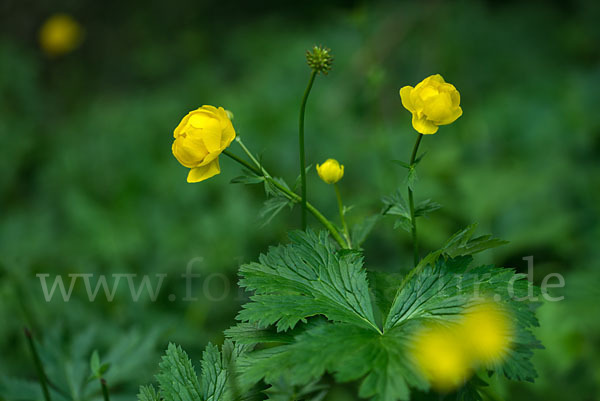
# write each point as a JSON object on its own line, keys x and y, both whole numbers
{"x": 342, "y": 215}
{"x": 411, "y": 203}
{"x": 104, "y": 390}
{"x": 292, "y": 196}
{"x": 38, "y": 365}
{"x": 301, "y": 146}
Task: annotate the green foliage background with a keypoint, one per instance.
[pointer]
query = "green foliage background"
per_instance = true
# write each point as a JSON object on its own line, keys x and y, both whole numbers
{"x": 88, "y": 183}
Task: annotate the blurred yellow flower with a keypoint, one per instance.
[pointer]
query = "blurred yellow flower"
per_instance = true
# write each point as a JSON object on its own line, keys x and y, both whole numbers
{"x": 199, "y": 140}
{"x": 487, "y": 332}
{"x": 440, "y": 355}
{"x": 330, "y": 171}
{"x": 447, "y": 356}
{"x": 433, "y": 102}
{"x": 60, "y": 34}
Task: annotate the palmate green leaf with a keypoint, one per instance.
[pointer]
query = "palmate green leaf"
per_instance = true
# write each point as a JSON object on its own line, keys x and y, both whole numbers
{"x": 289, "y": 290}
{"x": 306, "y": 278}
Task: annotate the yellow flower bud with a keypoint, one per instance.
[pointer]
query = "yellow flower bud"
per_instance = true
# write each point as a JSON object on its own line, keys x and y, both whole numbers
{"x": 433, "y": 102}
{"x": 199, "y": 140}
{"x": 331, "y": 171}
{"x": 487, "y": 332}
{"x": 441, "y": 357}
{"x": 60, "y": 34}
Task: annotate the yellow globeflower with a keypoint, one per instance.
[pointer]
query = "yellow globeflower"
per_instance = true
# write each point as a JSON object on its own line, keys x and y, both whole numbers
{"x": 331, "y": 171}
{"x": 60, "y": 34}
{"x": 199, "y": 140}
{"x": 487, "y": 332}
{"x": 440, "y": 355}
{"x": 433, "y": 102}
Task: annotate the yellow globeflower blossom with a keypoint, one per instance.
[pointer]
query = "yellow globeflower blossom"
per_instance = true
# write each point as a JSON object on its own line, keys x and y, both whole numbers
{"x": 441, "y": 357}
{"x": 330, "y": 171}
{"x": 433, "y": 102}
{"x": 60, "y": 34}
{"x": 487, "y": 332}
{"x": 199, "y": 140}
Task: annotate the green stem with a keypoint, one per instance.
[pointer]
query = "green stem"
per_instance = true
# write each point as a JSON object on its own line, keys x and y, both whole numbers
{"x": 38, "y": 365}
{"x": 411, "y": 203}
{"x": 342, "y": 217}
{"x": 301, "y": 147}
{"x": 104, "y": 389}
{"x": 294, "y": 197}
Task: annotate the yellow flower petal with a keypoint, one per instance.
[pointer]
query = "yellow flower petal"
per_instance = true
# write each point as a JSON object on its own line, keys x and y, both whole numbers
{"x": 189, "y": 151}
{"x": 450, "y": 118}
{"x": 198, "y": 174}
{"x": 423, "y": 125}
{"x": 406, "y": 100}
{"x": 227, "y": 127}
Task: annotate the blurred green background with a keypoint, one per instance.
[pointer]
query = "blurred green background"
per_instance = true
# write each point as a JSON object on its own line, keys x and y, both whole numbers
{"x": 88, "y": 183}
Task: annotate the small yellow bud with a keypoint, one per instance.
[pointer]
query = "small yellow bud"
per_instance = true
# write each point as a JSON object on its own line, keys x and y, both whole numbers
{"x": 60, "y": 34}
{"x": 433, "y": 102}
{"x": 331, "y": 171}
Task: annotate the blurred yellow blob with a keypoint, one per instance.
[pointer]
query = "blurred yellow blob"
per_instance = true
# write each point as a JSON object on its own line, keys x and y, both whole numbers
{"x": 487, "y": 331}
{"x": 447, "y": 356}
{"x": 60, "y": 34}
{"x": 440, "y": 354}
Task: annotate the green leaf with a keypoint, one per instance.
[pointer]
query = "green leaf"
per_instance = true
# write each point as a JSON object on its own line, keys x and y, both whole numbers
{"x": 396, "y": 205}
{"x": 401, "y": 163}
{"x": 177, "y": 378}
{"x": 272, "y": 207}
{"x": 248, "y": 178}
{"x": 250, "y": 334}
{"x": 148, "y": 393}
{"x": 412, "y": 177}
{"x": 272, "y": 191}
{"x": 419, "y": 158}
{"x": 305, "y": 278}
{"x": 283, "y": 391}
{"x": 384, "y": 287}
{"x": 425, "y": 207}
{"x": 471, "y": 390}
{"x": 178, "y": 381}
{"x": 95, "y": 363}
{"x": 461, "y": 244}
{"x": 348, "y": 352}
{"x": 361, "y": 231}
